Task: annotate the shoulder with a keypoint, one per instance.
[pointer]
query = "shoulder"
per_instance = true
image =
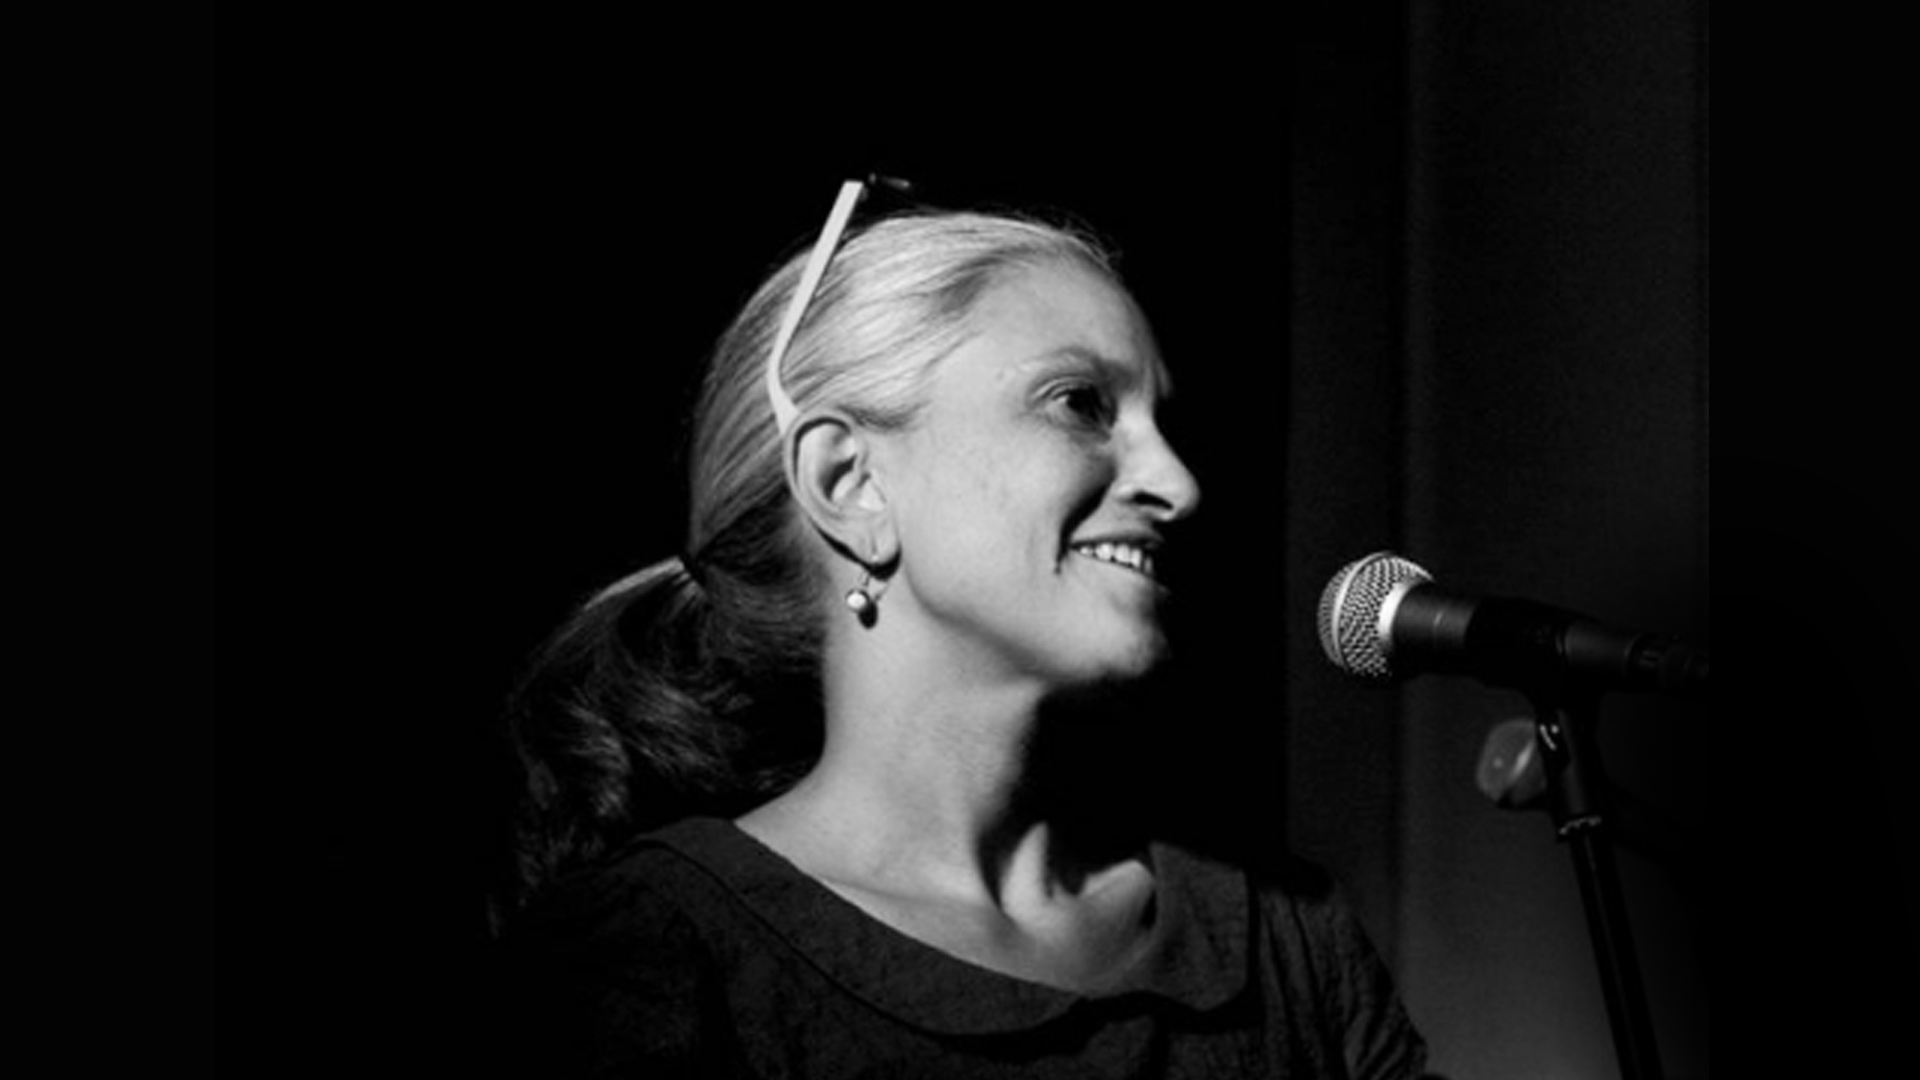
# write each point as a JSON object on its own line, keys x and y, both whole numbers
{"x": 1288, "y": 892}
{"x": 1309, "y": 920}
{"x": 1317, "y": 940}
{"x": 1313, "y": 954}
{"x": 1300, "y": 918}
{"x": 1302, "y": 898}
{"x": 618, "y": 963}
{"x": 652, "y": 890}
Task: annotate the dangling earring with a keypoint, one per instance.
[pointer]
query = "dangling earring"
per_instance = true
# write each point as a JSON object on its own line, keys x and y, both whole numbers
{"x": 862, "y": 601}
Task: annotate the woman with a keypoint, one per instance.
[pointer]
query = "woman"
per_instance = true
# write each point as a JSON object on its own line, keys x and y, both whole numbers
{"x": 930, "y": 498}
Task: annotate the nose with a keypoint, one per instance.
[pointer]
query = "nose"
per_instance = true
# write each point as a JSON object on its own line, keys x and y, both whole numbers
{"x": 1156, "y": 478}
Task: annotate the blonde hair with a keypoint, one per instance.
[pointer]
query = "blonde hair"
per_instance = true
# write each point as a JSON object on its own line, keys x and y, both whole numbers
{"x": 895, "y": 300}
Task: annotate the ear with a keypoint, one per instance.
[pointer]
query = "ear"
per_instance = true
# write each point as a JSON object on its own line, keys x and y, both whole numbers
{"x": 830, "y": 469}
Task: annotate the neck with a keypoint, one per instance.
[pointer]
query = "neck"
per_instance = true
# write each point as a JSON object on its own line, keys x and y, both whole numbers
{"x": 933, "y": 779}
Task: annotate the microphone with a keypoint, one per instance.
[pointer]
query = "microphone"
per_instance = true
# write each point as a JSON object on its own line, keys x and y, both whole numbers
{"x": 1381, "y": 618}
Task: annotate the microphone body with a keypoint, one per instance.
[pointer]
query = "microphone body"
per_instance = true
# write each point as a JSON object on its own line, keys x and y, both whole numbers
{"x": 1382, "y": 618}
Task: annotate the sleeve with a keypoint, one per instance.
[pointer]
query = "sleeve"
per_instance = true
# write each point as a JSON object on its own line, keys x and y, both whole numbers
{"x": 1361, "y": 1010}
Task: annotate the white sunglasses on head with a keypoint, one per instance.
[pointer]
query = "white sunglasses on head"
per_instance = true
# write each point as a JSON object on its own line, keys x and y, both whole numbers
{"x": 851, "y": 192}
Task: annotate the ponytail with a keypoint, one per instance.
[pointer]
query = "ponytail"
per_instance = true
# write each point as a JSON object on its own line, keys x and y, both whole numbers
{"x": 630, "y": 717}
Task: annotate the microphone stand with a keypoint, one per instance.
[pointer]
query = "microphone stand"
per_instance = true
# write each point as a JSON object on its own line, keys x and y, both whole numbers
{"x": 1566, "y": 722}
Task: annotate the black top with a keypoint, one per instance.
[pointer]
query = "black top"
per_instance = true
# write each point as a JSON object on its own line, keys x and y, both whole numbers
{"x": 700, "y": 952}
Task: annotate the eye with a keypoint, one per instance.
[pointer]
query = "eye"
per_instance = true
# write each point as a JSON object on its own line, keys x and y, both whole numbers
{"x": 1083, "y": 403}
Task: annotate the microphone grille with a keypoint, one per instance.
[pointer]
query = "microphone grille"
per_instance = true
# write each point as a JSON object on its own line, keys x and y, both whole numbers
{"x": 1349, "y": 615}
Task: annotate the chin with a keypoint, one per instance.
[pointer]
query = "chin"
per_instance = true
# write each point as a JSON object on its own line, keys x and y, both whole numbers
{"x": 1111, "y": 688}
{"x": 1135, "y": 659}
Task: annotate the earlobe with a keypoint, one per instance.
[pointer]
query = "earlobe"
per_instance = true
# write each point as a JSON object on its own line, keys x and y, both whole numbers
{"x": 830, "y": 471}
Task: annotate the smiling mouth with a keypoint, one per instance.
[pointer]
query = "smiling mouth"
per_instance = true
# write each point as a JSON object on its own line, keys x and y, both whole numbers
{"x": 1131, "y": 556}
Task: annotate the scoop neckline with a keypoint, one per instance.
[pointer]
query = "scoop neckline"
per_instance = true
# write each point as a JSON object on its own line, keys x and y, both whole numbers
{"x": 1196, "y": 957}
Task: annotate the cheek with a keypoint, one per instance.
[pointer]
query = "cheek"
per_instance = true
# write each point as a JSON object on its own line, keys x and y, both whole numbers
{"x": 960, "y": 478}
{"x": 991, "y": 513}
{"x": 978, "y": 511}
{"x": 997, "y": 506}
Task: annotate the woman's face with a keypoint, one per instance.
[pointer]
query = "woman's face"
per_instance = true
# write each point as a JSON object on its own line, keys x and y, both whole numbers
{"x": 1031, "y": 494}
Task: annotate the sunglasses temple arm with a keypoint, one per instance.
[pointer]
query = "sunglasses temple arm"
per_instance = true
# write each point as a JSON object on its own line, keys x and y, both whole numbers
{"x": 784, "y": 411}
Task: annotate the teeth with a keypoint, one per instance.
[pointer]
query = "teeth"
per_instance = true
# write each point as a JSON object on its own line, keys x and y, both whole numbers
{"x": 1121, "y": 554}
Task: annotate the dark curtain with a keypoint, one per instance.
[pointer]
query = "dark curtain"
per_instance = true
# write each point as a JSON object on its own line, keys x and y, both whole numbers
{"x": 1500, "y": 371}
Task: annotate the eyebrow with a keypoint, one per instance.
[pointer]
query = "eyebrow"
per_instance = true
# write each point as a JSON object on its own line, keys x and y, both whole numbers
{"x": 1115, "y": 369}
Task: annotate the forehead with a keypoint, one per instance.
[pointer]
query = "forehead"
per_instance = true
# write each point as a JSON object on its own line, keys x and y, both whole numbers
{"x": 1061, "y": 313}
